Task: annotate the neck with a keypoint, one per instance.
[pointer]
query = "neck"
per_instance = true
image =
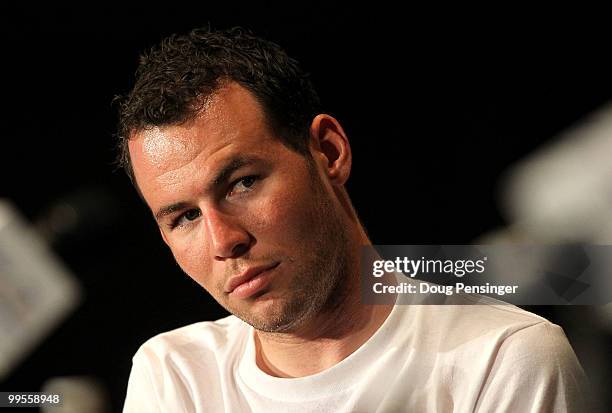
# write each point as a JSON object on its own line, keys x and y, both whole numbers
{"x": 324, "y": 340}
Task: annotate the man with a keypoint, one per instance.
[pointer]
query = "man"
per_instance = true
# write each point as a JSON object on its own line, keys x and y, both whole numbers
{"x": 224, "y": 138}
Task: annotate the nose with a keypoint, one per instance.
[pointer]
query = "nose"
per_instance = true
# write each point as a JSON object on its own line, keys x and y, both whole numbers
{"x": 228, "y": 237}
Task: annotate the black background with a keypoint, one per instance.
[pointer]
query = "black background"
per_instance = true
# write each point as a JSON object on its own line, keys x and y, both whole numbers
{"x": 436, "y": 105}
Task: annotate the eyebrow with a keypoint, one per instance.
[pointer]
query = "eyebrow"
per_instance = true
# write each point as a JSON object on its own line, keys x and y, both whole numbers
{"x": 223, "y": 175}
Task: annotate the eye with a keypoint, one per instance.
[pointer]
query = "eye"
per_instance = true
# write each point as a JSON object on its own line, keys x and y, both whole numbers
{"x": 192, "y": 214}
{"x": 186, "y": 217}
{"x": 243, "y": 185}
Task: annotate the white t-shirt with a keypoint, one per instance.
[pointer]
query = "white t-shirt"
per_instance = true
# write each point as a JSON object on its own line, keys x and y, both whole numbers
{"x": 485, "y": 357}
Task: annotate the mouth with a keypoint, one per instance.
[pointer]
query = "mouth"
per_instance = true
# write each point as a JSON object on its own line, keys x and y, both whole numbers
{"x": 250, "y": 281}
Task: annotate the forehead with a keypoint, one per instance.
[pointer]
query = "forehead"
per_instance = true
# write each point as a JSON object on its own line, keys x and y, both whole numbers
{"x": 224, "y": 117}
{"x": 174, "y": 161}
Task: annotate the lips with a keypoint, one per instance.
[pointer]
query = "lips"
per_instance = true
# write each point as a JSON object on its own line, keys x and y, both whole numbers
{"x": 246, "y": 276}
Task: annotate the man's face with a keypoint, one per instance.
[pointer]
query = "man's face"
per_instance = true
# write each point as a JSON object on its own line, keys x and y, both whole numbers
{"x": 250, "y": 220}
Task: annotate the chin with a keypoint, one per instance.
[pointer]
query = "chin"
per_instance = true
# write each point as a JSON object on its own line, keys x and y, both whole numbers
{"x": 271, "y": 316}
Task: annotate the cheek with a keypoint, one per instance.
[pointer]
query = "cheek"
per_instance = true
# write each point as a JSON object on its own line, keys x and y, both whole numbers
{"x": 283, "y": 217}
{"x": 192, "y": 260}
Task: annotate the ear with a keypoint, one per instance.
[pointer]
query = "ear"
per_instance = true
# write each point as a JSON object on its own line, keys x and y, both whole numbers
{"x": 330, "y": 148}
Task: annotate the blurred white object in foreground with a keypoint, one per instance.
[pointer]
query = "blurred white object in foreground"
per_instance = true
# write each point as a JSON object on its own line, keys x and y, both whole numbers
{"x": 36, "y": 291}
{"x": 79, "y": 394}
{"x": 563, "y": 192}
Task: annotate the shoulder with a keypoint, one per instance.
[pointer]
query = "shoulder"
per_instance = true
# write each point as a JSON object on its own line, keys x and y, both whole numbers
{"x": 539, "y": 346}
{"x": 503, "y": 358}
{"x": 467, "y": 318}
{"x": 525, "y": 355}
{"x": 513, "y": 327}
{"x": 538, "y": 363}
{"x": 195, "y": 339}
{"x": 175, "y": 370}
{"x": 478, "y": 332}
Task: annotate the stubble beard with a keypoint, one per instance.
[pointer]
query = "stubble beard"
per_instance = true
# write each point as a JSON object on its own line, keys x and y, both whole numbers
{"x": 320, "y": 283}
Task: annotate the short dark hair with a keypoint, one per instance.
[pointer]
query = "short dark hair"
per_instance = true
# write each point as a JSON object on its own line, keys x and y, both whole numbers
{"x": 175, "y": 77}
